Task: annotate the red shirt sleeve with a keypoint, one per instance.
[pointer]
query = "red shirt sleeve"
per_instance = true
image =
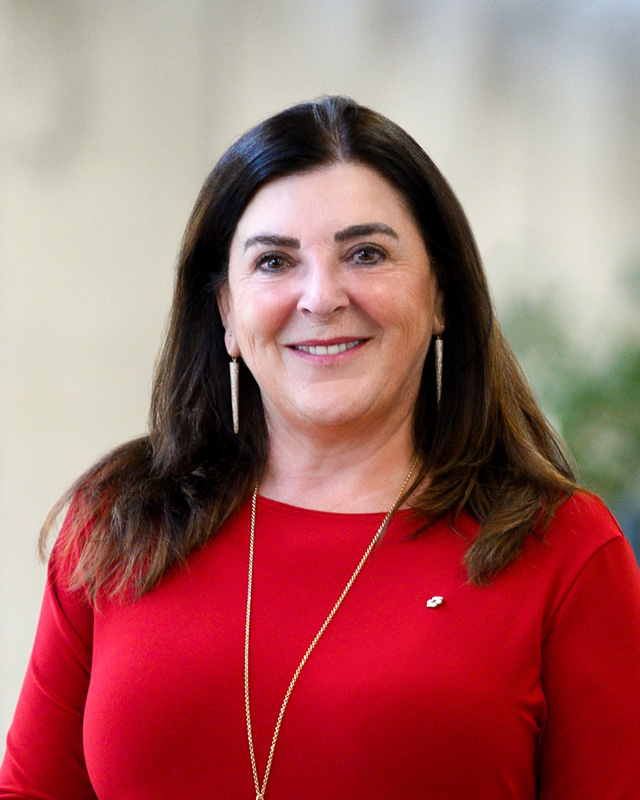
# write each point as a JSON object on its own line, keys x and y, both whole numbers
{"x": 590, "y": 748}
{"x": 44, "y": 758}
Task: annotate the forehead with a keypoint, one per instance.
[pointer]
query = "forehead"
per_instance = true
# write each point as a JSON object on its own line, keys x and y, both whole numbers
{"x": 332, "y": 197}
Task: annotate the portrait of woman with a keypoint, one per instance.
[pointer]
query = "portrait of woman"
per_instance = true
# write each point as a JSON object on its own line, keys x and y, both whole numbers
{"x": 351, "y": 558}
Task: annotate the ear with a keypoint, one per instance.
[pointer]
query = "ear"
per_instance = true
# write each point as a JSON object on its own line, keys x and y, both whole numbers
{"x": 438, "y": 313}
{"x": 226, "y": 314}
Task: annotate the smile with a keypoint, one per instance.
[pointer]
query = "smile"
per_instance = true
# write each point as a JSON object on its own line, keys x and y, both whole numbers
{"x": 327, "y": 350}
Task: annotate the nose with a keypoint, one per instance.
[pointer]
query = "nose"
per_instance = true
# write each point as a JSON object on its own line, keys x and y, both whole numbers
{"x": 323, "y": 291}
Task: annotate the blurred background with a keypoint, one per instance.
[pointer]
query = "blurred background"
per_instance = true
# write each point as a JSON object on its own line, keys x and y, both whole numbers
{"x": 111, "y": 115}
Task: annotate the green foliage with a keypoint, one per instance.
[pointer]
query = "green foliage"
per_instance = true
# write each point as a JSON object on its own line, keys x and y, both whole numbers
{"x": 596, "y": 408}
{"x": 602, "y": 426}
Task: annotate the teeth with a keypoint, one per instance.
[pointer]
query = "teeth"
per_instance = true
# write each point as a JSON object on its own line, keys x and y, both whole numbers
{"x": 329, "y": 350}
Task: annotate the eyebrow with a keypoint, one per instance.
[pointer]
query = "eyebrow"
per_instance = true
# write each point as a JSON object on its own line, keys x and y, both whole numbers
{"x": 352, "y": 232}
{"x": 356, "y": 231}
{"x": 272, "y": 240}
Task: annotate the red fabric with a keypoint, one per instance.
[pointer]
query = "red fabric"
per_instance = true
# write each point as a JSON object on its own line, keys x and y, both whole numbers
{"x": 527, "y": 688}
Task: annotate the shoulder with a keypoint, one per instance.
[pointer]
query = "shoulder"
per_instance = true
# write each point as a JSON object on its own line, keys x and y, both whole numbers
{"x": 582, "y": 547}
{"x": 582, "y": 531}
{"x": 583, "y": 524}
{"x": 67, "y": 560}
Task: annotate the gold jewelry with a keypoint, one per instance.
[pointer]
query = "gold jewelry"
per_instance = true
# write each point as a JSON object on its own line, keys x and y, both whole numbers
{"x": 439, "y": 347}
{"x": 233, "y": 373}
{"x": 260, "y": 790}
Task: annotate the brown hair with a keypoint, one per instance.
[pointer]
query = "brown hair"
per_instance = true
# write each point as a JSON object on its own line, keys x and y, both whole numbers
{"x": 488, "y": 448}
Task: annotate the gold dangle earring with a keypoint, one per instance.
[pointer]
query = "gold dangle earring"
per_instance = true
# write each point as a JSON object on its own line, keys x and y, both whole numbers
{"x": 439, "y": 347}
{"x": 235, "y": 402}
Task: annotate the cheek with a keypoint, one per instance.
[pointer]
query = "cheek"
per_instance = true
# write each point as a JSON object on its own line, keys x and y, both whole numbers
{"x": 408, "y": 308}
{"x": 261, "y": 312}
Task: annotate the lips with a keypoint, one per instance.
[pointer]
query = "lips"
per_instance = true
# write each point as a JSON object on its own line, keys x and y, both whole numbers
{"x": 327, "y": 349}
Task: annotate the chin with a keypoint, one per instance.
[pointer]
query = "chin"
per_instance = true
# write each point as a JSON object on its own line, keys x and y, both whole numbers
{"x": 331, "y": 414}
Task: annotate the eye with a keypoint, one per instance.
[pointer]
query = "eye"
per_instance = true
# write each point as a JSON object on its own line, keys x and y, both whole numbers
{"x": 367, "y": 254}
{"x": 272, "y": 262}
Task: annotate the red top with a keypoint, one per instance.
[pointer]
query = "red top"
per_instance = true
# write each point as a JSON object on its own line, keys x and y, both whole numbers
{"x": 527, "y": 688}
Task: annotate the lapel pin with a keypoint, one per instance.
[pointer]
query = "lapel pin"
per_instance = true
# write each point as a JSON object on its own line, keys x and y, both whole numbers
{"x": 434, "y": 602}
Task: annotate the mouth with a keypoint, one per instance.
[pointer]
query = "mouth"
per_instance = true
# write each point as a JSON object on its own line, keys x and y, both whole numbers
{"x": 328, "y": 349}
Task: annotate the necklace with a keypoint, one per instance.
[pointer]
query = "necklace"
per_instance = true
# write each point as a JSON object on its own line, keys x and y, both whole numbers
{"x": 260, "y": 789}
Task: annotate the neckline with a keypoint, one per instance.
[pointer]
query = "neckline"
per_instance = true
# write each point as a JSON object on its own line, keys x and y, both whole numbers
{"x": 279, "y": 507}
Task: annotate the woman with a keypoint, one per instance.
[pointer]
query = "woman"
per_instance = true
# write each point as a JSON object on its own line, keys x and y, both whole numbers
{"x": 371, "y": 572}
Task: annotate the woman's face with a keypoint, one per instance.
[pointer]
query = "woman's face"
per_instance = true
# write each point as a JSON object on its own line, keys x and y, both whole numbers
{"x": 331, "y": 301}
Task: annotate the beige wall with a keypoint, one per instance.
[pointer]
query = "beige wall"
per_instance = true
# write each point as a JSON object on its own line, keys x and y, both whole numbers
{"x": 112, "y": 113}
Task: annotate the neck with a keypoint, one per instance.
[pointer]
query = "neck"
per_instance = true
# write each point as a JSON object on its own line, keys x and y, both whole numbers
{"x": 348, "y": 474}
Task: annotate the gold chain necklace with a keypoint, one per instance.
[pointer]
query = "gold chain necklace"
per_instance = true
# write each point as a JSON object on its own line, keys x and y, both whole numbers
{"x": 260, "y": 790}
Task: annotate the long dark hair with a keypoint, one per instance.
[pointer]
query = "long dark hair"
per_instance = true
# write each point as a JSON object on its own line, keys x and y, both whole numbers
{"x": 488, "y": 448}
